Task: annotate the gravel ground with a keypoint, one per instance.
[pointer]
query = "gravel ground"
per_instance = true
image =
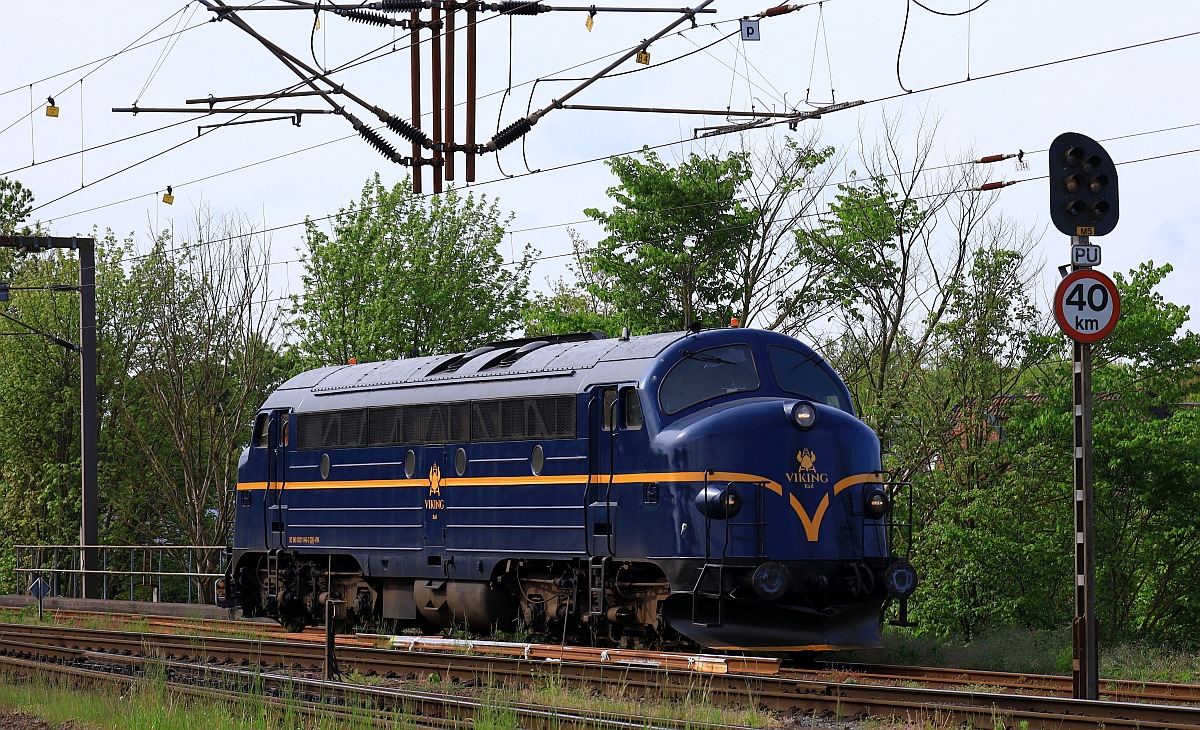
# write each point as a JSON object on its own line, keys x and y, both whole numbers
{"x": 14, "y": 720}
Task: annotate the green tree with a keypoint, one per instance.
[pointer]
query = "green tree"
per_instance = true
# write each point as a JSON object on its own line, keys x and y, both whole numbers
{"x": 1146, "y": 448}
{"x": 573, "y": 306}
{"x": 16, "y": 203}
{"x": 985, "y": 536}
{"x": 790, "y": 273}
{"x": 194, "y": 325}
{"x": 402, "y": 274}
{"x": 673, "y": 240}
{"x": 39, "y": 402}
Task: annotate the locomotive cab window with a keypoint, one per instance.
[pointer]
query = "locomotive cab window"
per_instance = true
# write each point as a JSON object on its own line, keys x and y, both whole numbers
{"x": 609, "y": 400}
{"x": 804, "y": 375}
{"x": 707, "y": 374}
{"x": 262, "y": 430}
{"x": 631, "y": 409}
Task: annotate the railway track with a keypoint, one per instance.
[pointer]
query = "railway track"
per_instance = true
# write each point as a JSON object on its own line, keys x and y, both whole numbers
{"x": 381, "y": 706}
{"x": 1027, "y": 683}
{"x": 786, "y": 692}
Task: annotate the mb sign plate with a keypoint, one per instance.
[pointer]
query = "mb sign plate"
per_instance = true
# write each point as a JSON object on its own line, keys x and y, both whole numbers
{"x": 1087, "y": 305}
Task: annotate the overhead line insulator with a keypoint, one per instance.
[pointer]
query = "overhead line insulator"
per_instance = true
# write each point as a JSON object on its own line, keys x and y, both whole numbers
{"x": 369, "y": 18}
{"x": 403, "y": 128}
{"x": 379, "y": 143}
{"x": 510, "y": 134}
{"x": 994, "y": 158}
{"x": 400, "y": 6}
{"x": 517, "y": 7}
{"x": 779, "y": 10}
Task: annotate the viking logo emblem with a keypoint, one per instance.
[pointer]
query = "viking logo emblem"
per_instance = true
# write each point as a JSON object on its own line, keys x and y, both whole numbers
{"x": 808, "y": 460}
{"x": 435, "y": 480}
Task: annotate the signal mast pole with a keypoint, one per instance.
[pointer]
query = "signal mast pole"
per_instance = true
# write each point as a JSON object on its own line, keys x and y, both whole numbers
{"x": 1087, "y": 305}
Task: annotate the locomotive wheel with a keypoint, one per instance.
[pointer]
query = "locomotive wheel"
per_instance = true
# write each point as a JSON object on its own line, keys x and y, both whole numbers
{"x": 293, "y": 624}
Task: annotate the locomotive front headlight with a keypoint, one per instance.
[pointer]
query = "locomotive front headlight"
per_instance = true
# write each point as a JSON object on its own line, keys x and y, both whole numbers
{"x": 718, "y": 503}
{"x": 900, "y": 580}
{"x": 804, "y": 415}
{"x": 877, "y": 504}
{"x": 770, "y": 581}
{"x": 731, "y": 503}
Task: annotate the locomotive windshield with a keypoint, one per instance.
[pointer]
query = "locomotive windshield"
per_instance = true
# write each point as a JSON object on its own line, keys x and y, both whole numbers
{"x": 707, "y": 374}
{"x": 803, "y": 375}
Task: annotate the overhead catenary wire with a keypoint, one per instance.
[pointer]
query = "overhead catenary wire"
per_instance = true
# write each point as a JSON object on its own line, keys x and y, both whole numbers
{"x": 960, "y": 190}
{"x": 564, "y": 166}
{"x": 365, "y": 131}
{"x": 164, "y": 52}
{"x": 995, "y": 74}
{"x": 1030, "y": 67}
{"x": 819, "y": 33}
{"x": 363, "y": 58}
{"x": 293, "y": 298}
{"x": 102, "y": 61}
{"x": 968, "y": 11}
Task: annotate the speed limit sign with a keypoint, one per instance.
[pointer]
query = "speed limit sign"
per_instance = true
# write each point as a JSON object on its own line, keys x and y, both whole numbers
{"x": 1087, "y": 305}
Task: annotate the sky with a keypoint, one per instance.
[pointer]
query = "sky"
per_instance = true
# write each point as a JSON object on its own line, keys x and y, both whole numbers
{"x": 989, "y": 77}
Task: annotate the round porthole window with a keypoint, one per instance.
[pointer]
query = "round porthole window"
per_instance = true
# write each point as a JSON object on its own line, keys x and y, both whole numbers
{"x": 460, "y": 461}
{"x": 324, "y": 466}
{"x": 410, "y": 464}
{"x": 537, "y": 460}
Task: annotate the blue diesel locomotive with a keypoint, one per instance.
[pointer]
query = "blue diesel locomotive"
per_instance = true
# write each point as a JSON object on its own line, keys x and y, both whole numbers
{"x": 712, "y": 487}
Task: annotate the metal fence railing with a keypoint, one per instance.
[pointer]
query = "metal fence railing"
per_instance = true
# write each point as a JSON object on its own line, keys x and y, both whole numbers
{"x": 166, "y": 573}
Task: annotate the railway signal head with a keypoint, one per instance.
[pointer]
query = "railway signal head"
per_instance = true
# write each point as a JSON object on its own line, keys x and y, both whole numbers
{"x": 1083, "y": 186}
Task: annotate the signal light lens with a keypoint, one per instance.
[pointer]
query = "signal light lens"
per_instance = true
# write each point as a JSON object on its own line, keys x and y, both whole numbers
{"x": 1074, "y": 208}
{"x": 1073, "y": 156}
{"x": 1091, "y": 164}
{"x": 1099, "y": 210}
{"x": 1073, "y": 183}
{"x": 1098, "y": 183}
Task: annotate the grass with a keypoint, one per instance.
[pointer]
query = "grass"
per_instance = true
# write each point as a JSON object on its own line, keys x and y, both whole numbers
{"x": 147, "y": 707}
{"x": 152, "y": 705}
{"x": 549, "y": 688}
{"x": 1003, "y": 650}
{"x": 1031, "y": 652}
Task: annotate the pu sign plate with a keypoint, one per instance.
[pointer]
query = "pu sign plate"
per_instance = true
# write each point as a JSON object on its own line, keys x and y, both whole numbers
{"x": 1087, "y": 305}
{"x": 1085, "y": 254}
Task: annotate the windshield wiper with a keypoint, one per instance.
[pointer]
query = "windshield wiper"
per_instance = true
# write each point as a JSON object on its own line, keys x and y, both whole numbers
{"x": 707, "y": 358}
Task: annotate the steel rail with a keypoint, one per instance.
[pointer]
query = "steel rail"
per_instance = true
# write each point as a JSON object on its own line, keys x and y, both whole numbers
{"x": 421, "y": 709}
{"x": 934, "y": 677}
{"x": 804, "y": 697}
{"x": 1114, "y": 689}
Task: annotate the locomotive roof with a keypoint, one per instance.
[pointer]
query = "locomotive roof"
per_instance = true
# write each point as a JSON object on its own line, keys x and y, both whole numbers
{"x": 520, "y": 367}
